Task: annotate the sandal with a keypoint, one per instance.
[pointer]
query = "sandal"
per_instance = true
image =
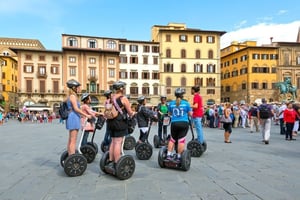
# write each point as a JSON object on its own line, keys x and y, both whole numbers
{"x": 227, "y": 141}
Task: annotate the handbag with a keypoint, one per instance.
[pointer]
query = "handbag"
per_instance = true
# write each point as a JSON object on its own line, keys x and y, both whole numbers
{"x": 225, "y": 120}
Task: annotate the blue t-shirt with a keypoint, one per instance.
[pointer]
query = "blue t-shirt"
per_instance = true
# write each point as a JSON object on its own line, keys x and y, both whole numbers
{"x": 179, "y": 113}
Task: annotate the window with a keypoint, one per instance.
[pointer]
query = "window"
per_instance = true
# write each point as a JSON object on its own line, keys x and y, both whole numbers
{"x": 298, "y": 82}
{"x": 183, "y": 82}
{"x": 92, "y": 60}
{"x": 145, "y": 89}
{"x": 155, "y": 49}
{"x": 92, "y": 43}
{"x": 28, "y": 68}
{"x": 183, "y": 68}
{"x": 197, "y": 39}
{"x": 155, "y": 60}
{"x": 3, "y": 76}
{"x": 273, "y": 56}
{"x": 168, "y": 53}
{"x": 72, "y": 71}
{"x": 244, "y": 86}
{"x": 55, "y": 58}
{"x": 183, "y": 53}
{"x": 265, "y": 56}
{"x": 42, "y": 58}
{"x": 72, "y": 59}
{"x": 123, "y": 74}
{"x": 168, "y": 38}
{"x": 168, "y": 82}
{"x": 92, "y": 87}
{"x": 92, "y": 72}
{"x": 56, "y": 87}
{"x": 210, "y": 82}
{"x": 111, "y": 44}
{"x": 134, "y": 60}
{"x": 54, "y": 70}
{"x": 243, "y": 71}
{"x": 286, "y": 59}
{"x": 168, "y": 67}
{"x": 198, "y": 68}
{"x": 134, "y": 90}
{"x": 183, "y": 38}
{"x": 255, "y": 56}
{"x": 210, "y": 54}
{"x": 298, "y": 60}
{"x": 198, "y": 81}
{"x": 243, "y": 58}
{"x": 146, "y": 49}
{"x": 155, "y": 89}
{"x": 42, "y": 70}
{"x": 234, "y": 73}
{"x": 28, "y": 57}
{"x": 155, "y": 75}
{"x": 210, "y": 39}
{"x": 122, "y": 47}
{"x": 145, "y": 75}
{"x": 274, "y": 70}
{"x": 72, "y": 42}
{"x": 211, "y": 68}
{"x": 254, "y": 85}
{"x": 260, "y": 70}
{"x": 264, "y": 86}
{"x": 145, "y": 60}
{"x": 29, "y": 86}
{"x": 42, "y": 86}
{"x": 134, "y": 75}
{"x": 111, "y": 73}
{"x": 111, "y": 61}
{"x": 210, "y": 91}
{"x": 234, "y": 61}
{"x": 123, "y": 59}
{"x": 227, "y": 89}
{"x": 197, "y": 54}
{"x": 133, "y": 48}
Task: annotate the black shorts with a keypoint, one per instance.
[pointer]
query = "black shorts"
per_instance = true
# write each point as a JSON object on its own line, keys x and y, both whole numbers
{"x": 121, "y": 133}
{"x": 179, "y": 130}
{"x": 227, "y": 127}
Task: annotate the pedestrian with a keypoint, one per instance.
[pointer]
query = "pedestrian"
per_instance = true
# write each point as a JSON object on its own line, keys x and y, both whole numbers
{"x": 180, "y": 111}
{"x": 107, "y": 138}
{"x": 280, "y": 116}
{"x": 264, "y": 115}
{"x": 227, "y": 123}
{"x": 118, "y": 126}
{"x": 87, "y": 125}
{"x": 144, "y": 117}
{"x": 73, "y": 122}
{"x": 198, "y": 112}
{"x": 296, "y": 124}
{"x": 289, "y": 118}
{"x": 162, "y": 112}
{"x": 254, "y": 119}
{"x": 236, "y": 112}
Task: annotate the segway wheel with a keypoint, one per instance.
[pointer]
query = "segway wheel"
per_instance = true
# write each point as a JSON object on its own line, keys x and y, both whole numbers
{"x": 104, "y": 161}
{"x": 75, "y": 165}
{"x": 63, "y": 157}
{"x": 156, "y": 141}
{"x": 204, "y": 146}
{"x": 195, "y": 147}
{"x": 104, "y": 148}
{"x": 89, "y": 152}
{"x": 162, "y": 154}
{"x": 143, "y": 151}
{"x": 125, "y": 167}
{"x": 129, "y": 143}
{"x": 186, "y": 160}
{"x": 93, "y": 144}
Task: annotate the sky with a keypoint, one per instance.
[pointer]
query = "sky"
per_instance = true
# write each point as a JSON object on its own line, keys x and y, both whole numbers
{"x": 47, "y": 20}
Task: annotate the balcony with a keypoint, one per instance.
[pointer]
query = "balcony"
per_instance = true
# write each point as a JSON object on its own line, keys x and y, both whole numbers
{"x": 92, "y": 77}
{"x": 41, "y": 75}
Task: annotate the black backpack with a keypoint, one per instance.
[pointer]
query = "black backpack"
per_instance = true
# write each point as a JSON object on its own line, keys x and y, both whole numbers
{"x": 264, "y": 112}
{"x": 63, "y": 110}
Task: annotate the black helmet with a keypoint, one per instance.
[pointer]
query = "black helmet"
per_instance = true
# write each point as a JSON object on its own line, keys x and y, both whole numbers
{"x": 118, "y": 85}
{"x": 179, "y": 92}
{"x": 84, "y": 96}
{"x": 141, "y": 99}
{"x": 73, "y": 83}
{"x": 107, "y": 93}
{"x": 163, "y": 97}
{"x": 196, "y": 88}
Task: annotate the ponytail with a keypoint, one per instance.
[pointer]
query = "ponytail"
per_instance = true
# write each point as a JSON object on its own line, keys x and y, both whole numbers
{"x": 178, "y": 100}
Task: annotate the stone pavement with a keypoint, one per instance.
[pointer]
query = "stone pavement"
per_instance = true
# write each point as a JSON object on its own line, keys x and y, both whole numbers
{"x": 244, "y": 169}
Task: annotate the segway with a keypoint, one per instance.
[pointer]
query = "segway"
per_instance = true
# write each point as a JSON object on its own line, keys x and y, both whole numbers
{"x": 130, "y": 141}
{"x": 196, "y": 148}
{"x": 90, "y": 149}
{"x": 123, "y": 169}
{"x": 75, "y": 164}
{"x": 156, "y": 140}
{"x": 144, "y": 150}
{"x": 184, "y": 164}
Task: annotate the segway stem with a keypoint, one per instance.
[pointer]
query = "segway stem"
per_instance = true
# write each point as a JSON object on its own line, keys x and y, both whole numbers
{"x": 81, "y": 137}
{"x": 191, "y": 127}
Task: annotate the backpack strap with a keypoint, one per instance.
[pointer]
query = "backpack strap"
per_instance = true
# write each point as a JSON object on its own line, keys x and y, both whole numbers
{"x": 117, "y": 106}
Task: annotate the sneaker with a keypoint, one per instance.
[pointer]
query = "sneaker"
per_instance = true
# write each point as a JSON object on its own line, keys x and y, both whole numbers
{"x": 266, "y": 142}
{"x": 169, "y": 157}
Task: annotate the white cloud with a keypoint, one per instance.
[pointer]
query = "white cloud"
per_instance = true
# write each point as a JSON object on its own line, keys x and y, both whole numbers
{"x": 240, "y": 24}
{"x": 262, "y": 33}
{"x": 282, "y": 12}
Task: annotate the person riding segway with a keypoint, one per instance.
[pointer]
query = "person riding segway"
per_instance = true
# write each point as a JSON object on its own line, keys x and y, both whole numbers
{"x": 179, "y": 110}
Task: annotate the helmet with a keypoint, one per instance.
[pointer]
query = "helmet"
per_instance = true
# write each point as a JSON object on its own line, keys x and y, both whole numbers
{"x": 72, "y": 83}
{"x": 118, "y": 85}
{"x": 84, "y": 96}
{"x": 141, "y": 99}
{"x": 179, "y": 92}
{"x": 107, "y": 93}
{"x": 196, "y": 88}
{"x": 163, "y": 97}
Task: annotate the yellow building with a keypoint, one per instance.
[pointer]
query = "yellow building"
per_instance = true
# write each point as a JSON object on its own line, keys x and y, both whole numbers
{"x": 189, "y": 57}
{"x": 248, "y": 72}
{"x": 9, "y": 79}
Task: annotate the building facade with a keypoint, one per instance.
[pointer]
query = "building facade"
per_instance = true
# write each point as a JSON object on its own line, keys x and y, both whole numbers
{"x": 189, "y": 57}
{"x": 248, "y": 72}
{"x": 139, "y": 69}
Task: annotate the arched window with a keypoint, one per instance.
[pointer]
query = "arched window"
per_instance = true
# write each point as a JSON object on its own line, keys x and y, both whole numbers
{"x": 210, "y": 54}
{"x": 197, "y": 54}
{"x": 183, "y": 53}
{"x": 92, "y": 43}
{"x": 183, "y": 67}
{"x": 183, "y": 81}
{"x": 111, "y": 44}
{"x": 168, "y": 53}
{"x": 72, "y": 42}
{"x": 168, "y": 82}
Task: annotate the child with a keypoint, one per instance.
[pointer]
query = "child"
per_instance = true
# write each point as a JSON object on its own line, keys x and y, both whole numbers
{"x": 144, "y": 117}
